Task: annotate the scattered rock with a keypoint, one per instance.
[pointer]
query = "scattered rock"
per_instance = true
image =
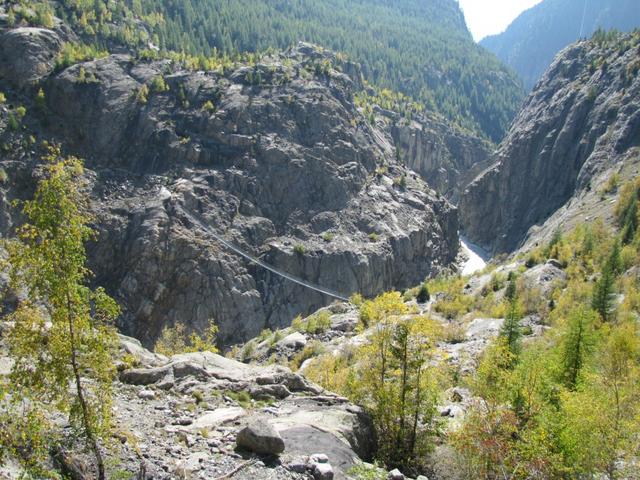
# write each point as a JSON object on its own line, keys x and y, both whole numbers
{"x": 319, "y": 458}
{"x": 322, "y": 471}
{"x": 395, "y": 475}
{"x": 147, "y": 394}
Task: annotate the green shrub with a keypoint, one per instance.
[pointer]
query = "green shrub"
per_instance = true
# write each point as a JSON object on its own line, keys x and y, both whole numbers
{"x": 423, "y": 294}
{"x": 373, "y": 237}
{"x": 327, "y": 236}
{"x": 317, "y": 323}
{"x": 12, "y": 123}
{"x": 299, "y": 249}
{"x": 158, "y": 84}
{"x": 143, "y": 95}
{"x": 3, "y": 98}
{"x": 312, "y": 349}
{"x": 208, "y": 106}
{"x": 174, "y": 340}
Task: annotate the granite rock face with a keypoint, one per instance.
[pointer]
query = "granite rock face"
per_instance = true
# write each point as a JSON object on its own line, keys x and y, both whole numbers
{"x": 28, "y": 54}
{"x": 447, "y": 158}
{"x": 273, "y": 158}
{"x": 580, "y": 126}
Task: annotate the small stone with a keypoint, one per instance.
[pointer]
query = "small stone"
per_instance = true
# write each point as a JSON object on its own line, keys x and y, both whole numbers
{"x": 260, "y": 437}
{"x": 322, "y": 471}
{"x": 395, "y": 474}
{"x": 319, "y": 458}
{"x": 422, "y": 477}
{"x": 146, "y": 394}
{"x": 297, "y": 465}
{"x": 183, "y": 421}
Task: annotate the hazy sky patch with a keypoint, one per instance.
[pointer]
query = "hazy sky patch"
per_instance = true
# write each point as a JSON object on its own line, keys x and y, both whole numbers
{"x": 488, "y": 17}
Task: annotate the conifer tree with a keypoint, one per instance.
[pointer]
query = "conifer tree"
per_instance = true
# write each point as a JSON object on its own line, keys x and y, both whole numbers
{"x": 511, "y": 330}
{"x": 577, "y": 343}
{"x": 603, "y": 293}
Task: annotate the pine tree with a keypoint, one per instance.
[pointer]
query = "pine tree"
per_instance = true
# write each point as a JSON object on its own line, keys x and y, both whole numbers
{"x": 603, "y": 293}
{"x": 511, "y": 330}
{"x": 577, "y": 343}
{"x": 630, "y": 222}
{"x": 63, "y": 334}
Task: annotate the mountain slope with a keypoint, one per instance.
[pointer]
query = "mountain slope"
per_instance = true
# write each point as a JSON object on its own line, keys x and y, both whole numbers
{"x": 537, "y": 35}
{"x": 421, "y": 48}
{"x": 579, "y": 128}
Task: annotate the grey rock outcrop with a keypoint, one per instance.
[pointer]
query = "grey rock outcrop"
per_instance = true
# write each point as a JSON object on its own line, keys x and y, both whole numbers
{"x": 297, "y": 426}
{"x": 580, "y": 126}
{"x": 447, "y": 158}
{"x": 284, "y": 167}
{"x": 28, "y": 54}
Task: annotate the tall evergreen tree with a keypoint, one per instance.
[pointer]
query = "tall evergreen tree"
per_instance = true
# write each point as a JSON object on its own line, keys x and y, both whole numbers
{"x": 577, "y": 343}
{"x": 603, "y": 294}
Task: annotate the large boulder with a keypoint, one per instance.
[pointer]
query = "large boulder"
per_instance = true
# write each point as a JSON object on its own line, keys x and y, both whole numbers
{"x": 260, "y": 437}
{"x": 28, "y": 54}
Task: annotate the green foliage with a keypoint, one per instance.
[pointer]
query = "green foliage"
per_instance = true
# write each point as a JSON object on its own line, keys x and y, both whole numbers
{"x": 142, "y": 97}
{"x": 62, "y": 332}
{"x": 511, "y": 330}
{"x": 12, "y": 123}
{"x": 365, "y": 471}
{"x": 3, "y": 98}
{"x": 208, "y": 107}
{"x": 398, "y": 385}
{"x": 388, "y": 305}
{"x": 317, "y": 323}
{"x": 577, "y": 344}
{"x": 72, "y": 53}
{"x": 174, "y": 340}
{"x": 423, "y": 294}
{"x": 41, "y": 103}
{"x": 604, "y": 295}
{"x": 158, "y": 84}
{"x": 311, "y": 350}
{"x": 299, "y": 249}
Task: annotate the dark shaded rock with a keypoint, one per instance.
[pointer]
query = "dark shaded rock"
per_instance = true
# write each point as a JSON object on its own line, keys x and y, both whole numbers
{"x": 260, "y": 437}
{"x": 145, "y": 376}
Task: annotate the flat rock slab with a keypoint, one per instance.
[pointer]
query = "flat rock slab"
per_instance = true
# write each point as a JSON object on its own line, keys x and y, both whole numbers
{"x": 218, "y": 417}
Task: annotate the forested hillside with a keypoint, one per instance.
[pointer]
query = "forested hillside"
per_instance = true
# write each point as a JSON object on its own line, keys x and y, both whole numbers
{"x": 536, "y": 36}
{"x": 421, "y": 48}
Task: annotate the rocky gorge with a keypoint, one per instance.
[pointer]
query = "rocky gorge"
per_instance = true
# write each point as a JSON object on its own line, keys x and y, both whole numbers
{"x": 283, "y": 167}
{"x": 578, "y": 129}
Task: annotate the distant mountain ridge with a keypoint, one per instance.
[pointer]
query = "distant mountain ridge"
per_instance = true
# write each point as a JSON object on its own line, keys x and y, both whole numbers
{"x": 534, "y": 38}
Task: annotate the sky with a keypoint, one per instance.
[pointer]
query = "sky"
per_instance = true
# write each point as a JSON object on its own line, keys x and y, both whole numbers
{"x": 488, "y": 17}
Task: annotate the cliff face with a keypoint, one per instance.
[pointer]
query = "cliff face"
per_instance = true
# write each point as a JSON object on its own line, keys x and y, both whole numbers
{"x": 579, "y": 127}
{"x": 445, "y": 157}
{"x": 272, "y": 157}
{"x": 538, "y": 34}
